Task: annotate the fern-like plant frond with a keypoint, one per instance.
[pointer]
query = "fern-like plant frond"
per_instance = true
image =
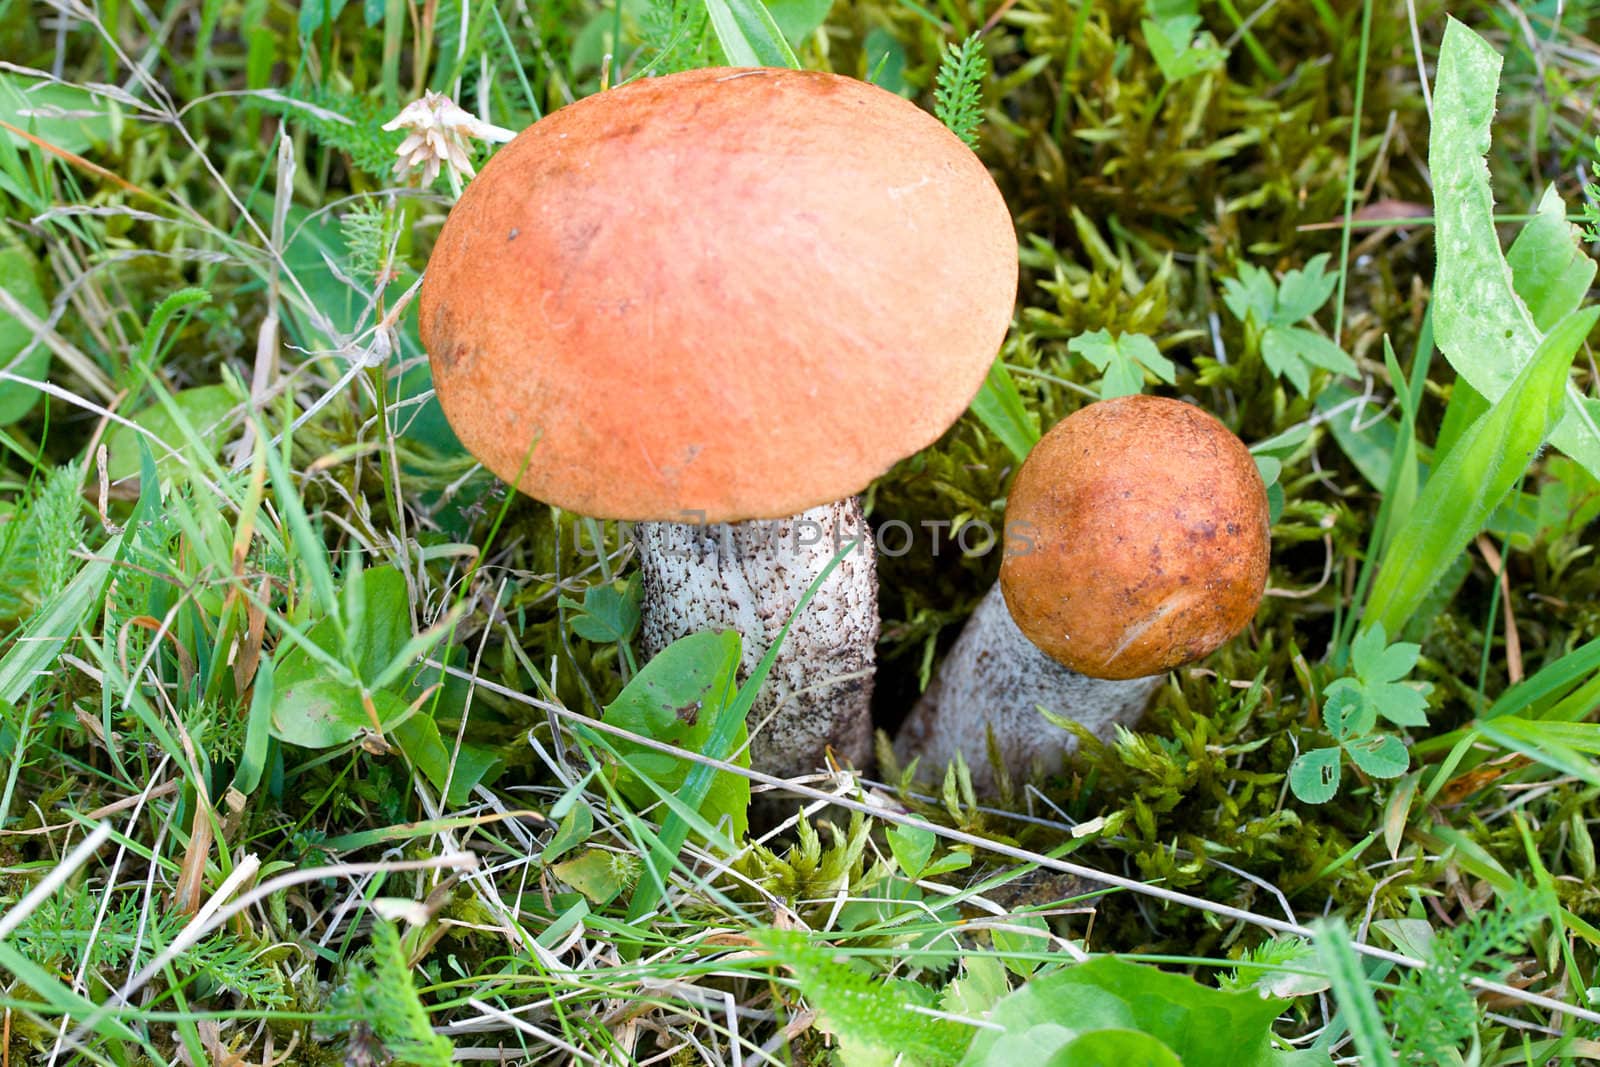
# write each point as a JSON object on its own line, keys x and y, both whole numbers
{"x": 958, "y": 95}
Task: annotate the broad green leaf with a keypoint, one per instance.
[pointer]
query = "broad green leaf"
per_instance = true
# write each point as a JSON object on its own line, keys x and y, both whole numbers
{"x": 749, "y": 35}
{"x": 1214, "y": 1028}
{"x": 799, "y": 19}
{"x": 912, "y": 847}
{"x": 886, "y": 60}
{"x": 1483, "y": 467}
{"x": 1345, "y": 712}
{"x": 66, "y": 116}
{"x": 1481, "y": 325}
{"x": 1549, "y": 269}
{"x": 418, "y": 737}
{"x": 999, "y": 407}
{"x": 1365, "y": 438}
{"x": 597, "y": 874}
{"x": 315, "y": 708}
{"x": 314, "y": 711}
{"x": 1178, "y": 51}
{"x": 1314, "y": 775}
{"x": 1252, "y": 296}
{"x": 1377, "y": 661}
{"x": 211, "y": 411}
{"x": 950, "y": 861}
{"x": 1315, "y": 349}
{"x": 679, "y": 697}
{"x": 725, "y": 741}
{"x": 574, "y": 830}
{"x": 1289, "y": 351}
{"x": 1382, "y": 755}
{"x": 1279, "y": 353}
{"x": 1020, "y": 942}
{"x": 1114, "y": 1048}
{"x": 981, "y": 985}
{"x": 19, "y": 278}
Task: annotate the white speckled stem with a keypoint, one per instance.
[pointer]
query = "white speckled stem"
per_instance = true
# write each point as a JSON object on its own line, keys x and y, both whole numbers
{"x": 748, "y": 577}
{"x": 993, "y": 681}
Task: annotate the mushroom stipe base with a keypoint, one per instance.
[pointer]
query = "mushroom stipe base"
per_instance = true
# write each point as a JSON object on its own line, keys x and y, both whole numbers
{"x": 748, "y": 577}
{"x": 993, "y": 682}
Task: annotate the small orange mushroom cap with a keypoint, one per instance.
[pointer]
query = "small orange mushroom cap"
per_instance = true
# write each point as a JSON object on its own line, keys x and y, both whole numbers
{"x": 1138, "y": 538}
{"x": 741, "y": 293}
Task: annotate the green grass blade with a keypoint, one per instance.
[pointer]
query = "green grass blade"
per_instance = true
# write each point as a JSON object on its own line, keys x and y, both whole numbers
{"x": 1354, "y": 995}
{"x": 33, "y": 654}
{"x": 312, "y": 552}
{"x": 999, "y": 407}
{"x": 1490, "y": 458}
{"x": 749, "y": 35}
{"x": 1483, "y": 326}
{"x": 675, "y": 830}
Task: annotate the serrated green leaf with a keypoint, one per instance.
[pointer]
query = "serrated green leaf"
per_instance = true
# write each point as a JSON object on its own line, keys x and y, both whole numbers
{"x": 1402, "y": 705}
{"x": 1303, "y": 291}
{"x": 863, "y": 1009}
{"x": 608, "y": 613}
{"x": 1123, "y": 360}
{"x": 1252, "y": 295}
{"x": 1392, "y": 664}
{"x": 1317, "y": 350}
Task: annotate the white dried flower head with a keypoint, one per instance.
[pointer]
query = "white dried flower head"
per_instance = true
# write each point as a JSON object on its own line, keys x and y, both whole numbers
{"x": 439, "y": 128}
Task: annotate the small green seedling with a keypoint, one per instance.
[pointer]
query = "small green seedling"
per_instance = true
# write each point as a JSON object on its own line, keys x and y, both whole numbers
{"x": 1123, "y": 361}
{"x": 1351, "y": 709}
{"x": 1270, "y": 309}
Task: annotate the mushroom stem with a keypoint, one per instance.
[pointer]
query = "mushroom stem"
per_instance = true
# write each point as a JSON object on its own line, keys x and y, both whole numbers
{"x": 749, "y": 576}
{"x": 993, "y": 682}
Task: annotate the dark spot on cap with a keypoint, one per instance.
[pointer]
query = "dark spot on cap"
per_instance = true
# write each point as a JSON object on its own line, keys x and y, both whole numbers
{"x": 512, "y": 236}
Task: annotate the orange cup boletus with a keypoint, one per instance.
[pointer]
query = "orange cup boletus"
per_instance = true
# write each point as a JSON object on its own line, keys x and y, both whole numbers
{"x": 1139, "y": 538}
{"x": 731, "y": 293}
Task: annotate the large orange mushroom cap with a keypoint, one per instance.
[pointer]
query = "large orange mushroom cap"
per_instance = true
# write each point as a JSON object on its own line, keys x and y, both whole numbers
{"x": 1138, "y": 538}
{"x": 736, "y": 292}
